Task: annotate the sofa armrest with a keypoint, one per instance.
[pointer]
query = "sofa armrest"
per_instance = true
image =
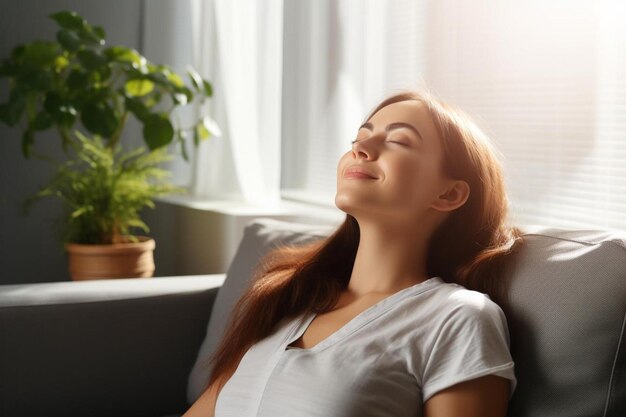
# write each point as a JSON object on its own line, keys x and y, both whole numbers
{"x": 102, "y": 348}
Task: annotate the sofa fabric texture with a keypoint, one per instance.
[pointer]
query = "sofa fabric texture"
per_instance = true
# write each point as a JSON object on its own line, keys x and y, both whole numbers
{"x": 568, "y": 309}
{"x": 101, "y": 348}
{"x": 566, "y": 317}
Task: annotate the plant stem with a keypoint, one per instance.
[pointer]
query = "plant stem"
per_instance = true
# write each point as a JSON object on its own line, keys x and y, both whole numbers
{"x": 66, "y": 138}
{"x": 118, "y": 133}
{"x": 116, "y": 237}
{"x": 45, "y": 158}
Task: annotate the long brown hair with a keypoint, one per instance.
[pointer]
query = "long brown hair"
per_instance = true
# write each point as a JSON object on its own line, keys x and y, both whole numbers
{"x": 467, "y": 248}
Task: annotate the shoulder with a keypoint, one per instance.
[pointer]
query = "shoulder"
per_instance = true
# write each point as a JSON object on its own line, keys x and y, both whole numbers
{"x": 470, "y": 339}
{"x": 456, "y": 303}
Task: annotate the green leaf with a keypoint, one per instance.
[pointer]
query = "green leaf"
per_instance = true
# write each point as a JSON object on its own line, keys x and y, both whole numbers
{"x": 126, "y": 55}
{"x": 159, "y": 78}
{"x": 40, "y": 79}
{"x": 139, "y": 224}
{"x": 52, "y": 102}
{"x": 100, "y": 119}
{"x": 39, "y": 54}
{"x": 11, "y": 112}
{"x": 79, "y": 212}
{"x": 138, "y": 87}
{"x": 157, "y": 131}
{"x": 153, "y": 100}
{"x": 97, "y": 93}
{"x": 88, "y": 35}
{"x": 196, "y": 135}
{"x": 28, "y": 138}
{"x": 90, "y": 38}
{"x": 137, "y": 107}
{"x": 196, "y": 79}
{"x": 73, "y": 22}
{"x": 69, "y": 20}
{"x": 63, "y": 113}
{"x": 99, "y": 31}
{"x": 182, "y": 138}
{"x": 179, "y": 98}
{"x": 113, "y": 52}
{"x": 104, "y": 72}
{"x": 208, "y": 89}
{"x": 187, "y": 92}
{"x": 211, "y": 126}
{"x": 68, "y": 40}
{"x": 77, "y": 80}
{"x": 175, "y": 80}
{"x": 91, "y": 59}
{"x": 203, "y": 133}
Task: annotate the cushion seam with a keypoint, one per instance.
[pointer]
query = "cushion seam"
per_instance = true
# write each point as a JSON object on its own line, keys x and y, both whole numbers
{"x": 130, "y": 299}
{"x": 615, "y": 241}
{"x": 615, "y": 361}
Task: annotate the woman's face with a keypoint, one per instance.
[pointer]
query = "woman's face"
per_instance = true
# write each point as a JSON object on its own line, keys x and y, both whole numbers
{"x": 399, "y": 146}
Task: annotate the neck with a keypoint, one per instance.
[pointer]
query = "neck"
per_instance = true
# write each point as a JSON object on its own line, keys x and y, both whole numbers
{"x": 388, "y": 259}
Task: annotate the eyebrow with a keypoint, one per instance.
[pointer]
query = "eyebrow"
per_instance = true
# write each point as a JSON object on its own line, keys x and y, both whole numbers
{"x": 396, "y": 125}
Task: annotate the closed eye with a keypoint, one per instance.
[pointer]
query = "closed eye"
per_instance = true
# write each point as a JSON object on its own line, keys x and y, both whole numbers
{"x": 390, "y": 141}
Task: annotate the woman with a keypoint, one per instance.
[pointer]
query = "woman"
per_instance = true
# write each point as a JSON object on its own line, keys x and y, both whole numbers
{"x": 389, "y": 315}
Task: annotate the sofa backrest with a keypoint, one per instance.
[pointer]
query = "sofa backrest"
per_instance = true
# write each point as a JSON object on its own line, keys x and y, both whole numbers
{"x": 566, "y": 319}
{"x": 566, "y": 316}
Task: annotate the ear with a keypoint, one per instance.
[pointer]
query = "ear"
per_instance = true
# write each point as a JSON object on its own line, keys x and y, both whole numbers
{"x": 453, "y": 196}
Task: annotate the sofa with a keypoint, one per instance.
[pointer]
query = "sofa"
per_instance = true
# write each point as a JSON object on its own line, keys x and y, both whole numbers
{"x": 134, "y": 347}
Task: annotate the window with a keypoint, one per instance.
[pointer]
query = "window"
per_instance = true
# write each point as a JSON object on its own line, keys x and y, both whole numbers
{"x": 543, "y": 79}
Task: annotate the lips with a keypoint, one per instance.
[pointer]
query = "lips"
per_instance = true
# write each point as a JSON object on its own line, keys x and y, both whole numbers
{"x": 358, "y": 172}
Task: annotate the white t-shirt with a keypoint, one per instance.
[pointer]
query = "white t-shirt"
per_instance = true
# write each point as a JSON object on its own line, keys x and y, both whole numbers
{"x": 386, "y": 361}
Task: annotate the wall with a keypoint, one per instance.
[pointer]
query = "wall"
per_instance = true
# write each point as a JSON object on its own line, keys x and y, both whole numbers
{"x": 29, "y": 248}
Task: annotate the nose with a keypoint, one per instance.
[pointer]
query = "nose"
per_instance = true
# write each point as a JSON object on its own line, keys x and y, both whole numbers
{"x": 364, "y": 148}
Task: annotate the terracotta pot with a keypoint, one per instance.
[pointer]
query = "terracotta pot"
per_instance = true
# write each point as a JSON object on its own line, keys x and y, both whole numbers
{"x": 116, "y": 260}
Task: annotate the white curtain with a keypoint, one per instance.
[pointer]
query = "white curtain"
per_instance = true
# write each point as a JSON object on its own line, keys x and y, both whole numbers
{"x": 238, "y": 46}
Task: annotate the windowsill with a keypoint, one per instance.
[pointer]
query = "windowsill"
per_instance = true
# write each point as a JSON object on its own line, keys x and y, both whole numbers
{"x": 293, "y": 203}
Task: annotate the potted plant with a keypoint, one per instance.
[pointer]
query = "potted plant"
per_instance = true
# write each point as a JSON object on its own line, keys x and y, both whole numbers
{"x": 86, "y": 91}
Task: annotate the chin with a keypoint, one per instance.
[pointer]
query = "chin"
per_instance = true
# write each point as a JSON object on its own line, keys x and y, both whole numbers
{"x": 349, "y": 204}
{"x": 342, "y": 203}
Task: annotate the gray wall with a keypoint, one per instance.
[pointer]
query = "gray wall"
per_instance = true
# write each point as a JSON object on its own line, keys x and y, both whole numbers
{"x": 29, "y": 248}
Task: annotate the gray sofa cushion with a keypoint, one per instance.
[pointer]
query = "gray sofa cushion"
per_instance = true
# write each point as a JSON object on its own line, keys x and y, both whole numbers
{"x": 568, "y": 296}
{"x": 567, "y": 313}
